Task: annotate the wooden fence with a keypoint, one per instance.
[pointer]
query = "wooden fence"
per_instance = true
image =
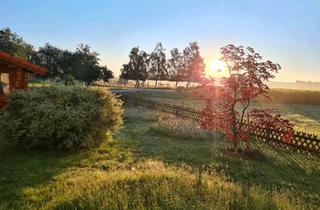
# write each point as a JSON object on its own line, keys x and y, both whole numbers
{"x": 302, "y": 142}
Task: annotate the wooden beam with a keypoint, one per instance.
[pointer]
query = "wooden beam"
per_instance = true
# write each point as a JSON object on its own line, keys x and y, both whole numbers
{"x": 12, "y": 81}
{"x": 5, "y": 65}
{"x": 21, "y": 63}
{"x": 21, "y": 79}
{"x": 11, "y": 66}
{"x": 24, "y": 80}
{"x": 6, "y": 69}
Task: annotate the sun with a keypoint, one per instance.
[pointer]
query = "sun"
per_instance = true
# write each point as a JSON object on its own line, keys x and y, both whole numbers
{"x": 216, "y": 68}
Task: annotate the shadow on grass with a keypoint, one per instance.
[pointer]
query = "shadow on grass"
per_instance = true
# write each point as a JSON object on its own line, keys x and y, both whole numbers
{"x": 274, "y": 168}
{"x": 21, "y": 170}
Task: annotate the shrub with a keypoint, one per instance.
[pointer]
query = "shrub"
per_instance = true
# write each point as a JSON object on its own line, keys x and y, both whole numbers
{"x": 63, "y": 117}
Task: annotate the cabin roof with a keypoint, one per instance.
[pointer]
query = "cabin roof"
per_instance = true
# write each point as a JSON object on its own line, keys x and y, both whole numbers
{"x": 12, "y": 61}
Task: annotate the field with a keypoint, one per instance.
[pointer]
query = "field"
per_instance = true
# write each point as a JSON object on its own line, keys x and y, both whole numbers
{"x": 301, "y": 107}
{"x": 158, "y": 161}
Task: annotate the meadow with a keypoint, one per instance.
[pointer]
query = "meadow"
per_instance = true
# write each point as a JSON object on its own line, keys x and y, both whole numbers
{"x": 301, "y": 107}
{"x": 158, "y": 161}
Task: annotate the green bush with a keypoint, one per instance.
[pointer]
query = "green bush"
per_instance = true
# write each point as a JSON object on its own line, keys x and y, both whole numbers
{"x": 63, "y": 117}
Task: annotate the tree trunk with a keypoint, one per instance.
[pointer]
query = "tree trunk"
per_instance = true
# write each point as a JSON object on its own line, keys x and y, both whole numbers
{"x": 235, "y": 142}
{"x": 188, "y": 84}
{"x": 156, "y": 82}
{"x": 177, "y": 83}
{"x": 234, "y": 132}
{"x": 137, "y": 83}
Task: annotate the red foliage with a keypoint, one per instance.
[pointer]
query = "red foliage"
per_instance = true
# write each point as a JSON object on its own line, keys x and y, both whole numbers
{"x": 271, "y": 119}
{"x": 247, "y": 76}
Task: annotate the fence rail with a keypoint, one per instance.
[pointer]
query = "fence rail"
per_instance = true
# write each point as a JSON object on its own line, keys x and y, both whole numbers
{"x": 302, "y": 142}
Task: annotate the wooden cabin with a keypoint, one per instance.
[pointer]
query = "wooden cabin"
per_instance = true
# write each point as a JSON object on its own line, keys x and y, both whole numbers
{"x": 14, "y": 74}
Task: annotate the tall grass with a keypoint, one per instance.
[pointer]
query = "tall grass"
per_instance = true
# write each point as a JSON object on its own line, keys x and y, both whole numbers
{"x": 181, "y": 128}
{"x": 151, "y": 185}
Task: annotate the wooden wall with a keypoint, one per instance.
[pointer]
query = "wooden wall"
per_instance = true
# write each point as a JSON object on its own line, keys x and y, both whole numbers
{"x": 18, "y": 80}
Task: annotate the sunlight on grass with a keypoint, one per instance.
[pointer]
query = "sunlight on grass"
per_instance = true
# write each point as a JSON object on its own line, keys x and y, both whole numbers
{"x": 154, "y": 164}
{"x": 305, "y": 117}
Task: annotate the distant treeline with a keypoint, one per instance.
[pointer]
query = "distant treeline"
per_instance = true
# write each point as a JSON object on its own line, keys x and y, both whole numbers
{"x": 185, "y": 66}
{"x": 81, "y": 64}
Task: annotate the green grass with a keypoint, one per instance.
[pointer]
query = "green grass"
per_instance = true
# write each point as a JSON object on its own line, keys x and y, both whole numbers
{"x": 38, "y": 84}
{"x": 274, "y": 168}
{"x": 305, "y": 117}
{"x": 308, "y": 97}
{"x": 157, "y": 164}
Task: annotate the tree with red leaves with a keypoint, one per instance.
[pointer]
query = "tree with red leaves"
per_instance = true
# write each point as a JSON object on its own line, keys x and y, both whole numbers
{"x": 229, "y": 103}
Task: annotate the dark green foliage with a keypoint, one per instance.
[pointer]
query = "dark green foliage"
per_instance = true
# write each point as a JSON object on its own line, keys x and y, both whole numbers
{"x": 194, "y": 64}
{"x": 137, "y": 68}
{"x": 69, "y": 80}
{"x": 63, "y": 117}
{"x": 82, "y": 64}
{"x": 106, "y": 74}
{"x": 176, "y": 66}
{"x": 187, "y": 66}
{"x": 53, "y": 58}
{"x": 14, "y": 44}
{"x": 157, "y": 64}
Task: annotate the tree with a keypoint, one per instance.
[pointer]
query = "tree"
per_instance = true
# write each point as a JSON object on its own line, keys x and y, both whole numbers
{"x": 84, "y": 65}
{"x": 176, "y": 66}
{"x": 137, "y": 67}
{"x": 14, "y": 44}
{"x": 246, "y": 81}
{"x": 106, "y": 74}
{"x": 194, "y": 64}
{"x": 53, "y": 58}
{"x": 157, "y": 64}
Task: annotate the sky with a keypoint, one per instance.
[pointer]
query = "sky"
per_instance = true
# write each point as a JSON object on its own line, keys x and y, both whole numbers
{"x": 286, "y": 32}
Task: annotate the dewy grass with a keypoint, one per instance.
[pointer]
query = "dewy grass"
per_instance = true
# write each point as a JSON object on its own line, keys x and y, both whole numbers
{"x": 181, "y": 128}
{"x": 144, "y": 169}
{"x": 150, "y": 186}
{"x": 274, "y": 168}
{"x": 301, "y": 107}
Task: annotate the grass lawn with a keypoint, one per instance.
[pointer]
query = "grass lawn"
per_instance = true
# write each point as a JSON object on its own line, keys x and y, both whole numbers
{"x": 158, "y": 162}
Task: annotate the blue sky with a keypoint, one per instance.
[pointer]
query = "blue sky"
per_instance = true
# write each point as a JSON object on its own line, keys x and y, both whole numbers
{"x": 287, "y": 32}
